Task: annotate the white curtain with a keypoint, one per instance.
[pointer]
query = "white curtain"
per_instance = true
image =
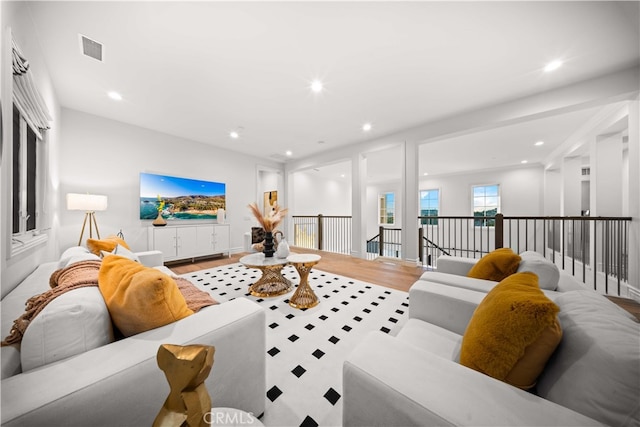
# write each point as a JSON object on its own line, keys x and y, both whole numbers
{"x": 25, "y": 93}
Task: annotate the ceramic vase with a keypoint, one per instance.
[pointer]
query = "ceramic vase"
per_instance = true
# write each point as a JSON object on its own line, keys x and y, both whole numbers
{"x": 283, "y": 249}
{"x": 268, "y": 244}
{"x": 159, "y": 221}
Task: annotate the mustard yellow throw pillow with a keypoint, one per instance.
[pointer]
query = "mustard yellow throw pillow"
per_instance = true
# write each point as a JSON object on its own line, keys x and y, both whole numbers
{"x": 139, "y": 298}
{"x": 513, "y": 332}
{"x": 108, "y": 245}
{"x": 496, "y": 265}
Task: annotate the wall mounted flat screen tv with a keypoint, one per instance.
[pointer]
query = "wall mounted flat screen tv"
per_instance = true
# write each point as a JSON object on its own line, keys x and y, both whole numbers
{"x": 180, "y": 198}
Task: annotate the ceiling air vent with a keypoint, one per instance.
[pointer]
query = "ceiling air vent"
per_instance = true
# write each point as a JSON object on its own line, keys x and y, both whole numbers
{"x": 91, "y": 48}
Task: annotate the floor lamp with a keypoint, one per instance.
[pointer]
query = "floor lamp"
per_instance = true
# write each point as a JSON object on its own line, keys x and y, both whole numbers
{"x": 90, "y": 203}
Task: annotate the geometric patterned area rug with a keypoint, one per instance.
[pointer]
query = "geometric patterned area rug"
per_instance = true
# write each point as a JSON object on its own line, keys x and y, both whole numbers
{"x": 306, "y": 348}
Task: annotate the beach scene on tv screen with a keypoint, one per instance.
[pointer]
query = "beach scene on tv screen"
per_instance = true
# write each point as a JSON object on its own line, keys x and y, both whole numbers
{"x": 180, "y": 198}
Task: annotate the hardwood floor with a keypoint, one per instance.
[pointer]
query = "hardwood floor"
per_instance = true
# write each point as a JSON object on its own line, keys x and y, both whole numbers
{"x": 396, "y": 275}
{"x": 389, "y": 274}
{"x": 628, "y": 304}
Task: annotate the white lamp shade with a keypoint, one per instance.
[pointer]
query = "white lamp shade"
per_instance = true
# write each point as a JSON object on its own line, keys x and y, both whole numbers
{"x": 86, "y": 202}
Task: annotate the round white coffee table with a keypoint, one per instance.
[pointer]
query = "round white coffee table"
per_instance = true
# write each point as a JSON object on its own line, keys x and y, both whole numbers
{"x": 272, "y": 283}
{"x": 303, "y": 297}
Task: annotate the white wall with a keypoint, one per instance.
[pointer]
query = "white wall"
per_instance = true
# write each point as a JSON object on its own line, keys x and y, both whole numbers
{"x": 625, "y": 182}
{"x": 608, "y": 167}
{"x": 552, "y": 192}
{"x": 15, "y": 18}
{"x": 521, "y": 190}
{"x": 312, "y": 195}
{"x": 585, "y": 195}
{"x": 102, "y": 156}
{"x": 3, "y": 95}
{"x": 269, "y": 181}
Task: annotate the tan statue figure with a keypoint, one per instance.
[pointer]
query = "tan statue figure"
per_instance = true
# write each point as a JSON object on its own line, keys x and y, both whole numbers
{"x": 186, "y": 368}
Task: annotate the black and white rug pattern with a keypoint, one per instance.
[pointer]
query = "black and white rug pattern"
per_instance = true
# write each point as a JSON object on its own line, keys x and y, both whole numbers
{"x": 306, "y": 348}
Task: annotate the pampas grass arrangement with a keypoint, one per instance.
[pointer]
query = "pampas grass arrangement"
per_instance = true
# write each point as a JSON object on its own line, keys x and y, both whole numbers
{"x": 269, "y": 222}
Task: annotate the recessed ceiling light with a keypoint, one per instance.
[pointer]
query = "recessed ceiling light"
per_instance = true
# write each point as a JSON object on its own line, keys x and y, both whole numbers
{"x": 539, "y": 143}
{"x": 342, "y": 175}
{"x": 425, "y": 174}
{"x": 289, "y": 153}
{"x": 316, "y": 86}
{"x": 553, "y": 65}
{"x": 366, "y": 127}
{"x": 524, "y": 161}
{"x": 235, "y": 134}
{"x": 115, "y": 96}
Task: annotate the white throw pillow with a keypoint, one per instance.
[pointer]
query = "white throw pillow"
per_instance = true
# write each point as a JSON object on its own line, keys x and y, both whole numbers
{"x": 74, "y": 322}
{"x": 547, "y": 272}
{"x": 595, "y": 369}
{"x": 74, "y": 252}
{"x": 84, "y": 257}
{"x": 122, "y": 251}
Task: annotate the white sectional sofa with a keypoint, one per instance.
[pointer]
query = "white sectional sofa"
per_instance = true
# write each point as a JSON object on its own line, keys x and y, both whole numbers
{"x": 119, "y": 383}
{"x": 453, "y": 270}
{"x": 415, "y": 378}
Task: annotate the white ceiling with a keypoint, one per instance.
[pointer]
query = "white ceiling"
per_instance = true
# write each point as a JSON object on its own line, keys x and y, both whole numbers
{"x": 201, "y": 69}
{"x": 505, "y": 146}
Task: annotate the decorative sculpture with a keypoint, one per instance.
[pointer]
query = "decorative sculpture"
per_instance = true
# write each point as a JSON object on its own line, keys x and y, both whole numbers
{"x": 269, "y": 222}
{"x": 186, "y": 368}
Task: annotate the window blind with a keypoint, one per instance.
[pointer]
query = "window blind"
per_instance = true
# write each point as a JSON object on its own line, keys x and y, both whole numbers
{"x": 25, "y": 94}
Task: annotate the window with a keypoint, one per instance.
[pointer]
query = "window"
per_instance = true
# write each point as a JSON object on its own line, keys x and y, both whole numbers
{"x": 386, "y": 208}
{"x": 429, "y": 205}
{"x": 27, "y": 156}
{"x": 25, "y": 184}
{"x": 486, "y": 202}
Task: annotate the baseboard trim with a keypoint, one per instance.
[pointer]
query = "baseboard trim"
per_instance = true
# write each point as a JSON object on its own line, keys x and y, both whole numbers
{"x": 633, "y": 293}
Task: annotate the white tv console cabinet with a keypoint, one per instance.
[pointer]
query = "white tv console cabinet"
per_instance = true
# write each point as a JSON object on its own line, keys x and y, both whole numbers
{"x": 179, "y": 242}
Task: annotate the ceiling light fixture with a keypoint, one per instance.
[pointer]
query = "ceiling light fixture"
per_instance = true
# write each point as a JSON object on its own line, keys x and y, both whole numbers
{"x": 524, "y": 162}
{"x": 366, "y": 127}
{"x": 316, "y": 86}
{"x": 552, "y": 66}
{"x": 539, "y": 143}
{"x": 115, "y": 96}
{"x": 289, "y": 153}
{"x": 425, "y": 174}
{"x": 235, "y": 134}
